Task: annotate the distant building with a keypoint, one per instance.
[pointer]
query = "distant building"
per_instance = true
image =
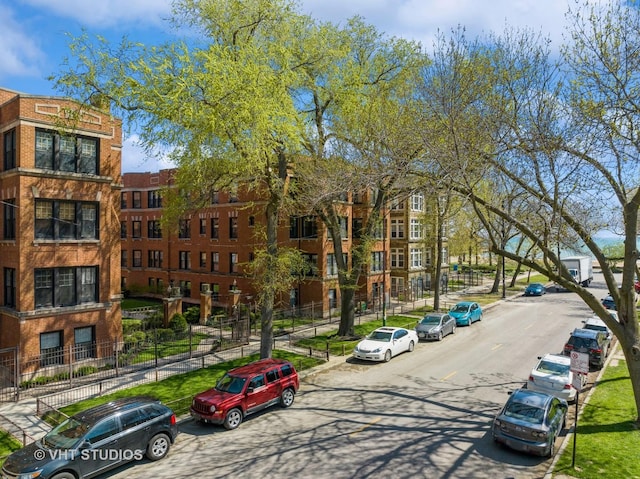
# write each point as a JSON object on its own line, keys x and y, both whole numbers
{"x": 207, "y": 251}
{"x": 59, "y": 248}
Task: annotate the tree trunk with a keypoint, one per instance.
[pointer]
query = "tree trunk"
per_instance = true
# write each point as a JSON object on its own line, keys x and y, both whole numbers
{"x": 496, "y": 281}
{"x": 266, "y": 308}
{"x": 347, "y": 311}
{"x": 516, "y": 273}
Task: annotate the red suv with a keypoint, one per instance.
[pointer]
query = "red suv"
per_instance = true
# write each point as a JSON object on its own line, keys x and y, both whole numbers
{"x": 246, "y": 390}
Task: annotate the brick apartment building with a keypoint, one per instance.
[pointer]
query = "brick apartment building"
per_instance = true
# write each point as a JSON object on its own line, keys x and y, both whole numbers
{"x": 60, "y": 250}
{"x": 207, "y": 250}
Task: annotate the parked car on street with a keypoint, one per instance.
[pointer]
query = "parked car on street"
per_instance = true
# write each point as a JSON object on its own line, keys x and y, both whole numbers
{"x": 384, "y": 343}
{"x": 97, "y": 440}
{"x": 436, "y": 326}
{"x": 552, "y": 375}
{"x": 608, "y": 302}
{"x": 530, "y": 422}
{"x": 466, "y": 312}
{"x": 535, "y": 289}
{"x": 594, "y": 343}
{"x": 597, "y": 324}
{"x": 246, "y": 390}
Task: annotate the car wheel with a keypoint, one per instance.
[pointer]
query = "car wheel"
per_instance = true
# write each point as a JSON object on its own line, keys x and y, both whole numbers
{"x": 233, "y": 419}
{"x": 64, "y": 475}
{"x": 287, "y": 397}
{"x": 387, "y": 356}
{"x": 158, "y": 447}
{"x": 440, "y": 336}
{"x": 552, "y": 447}
{"x": 469, "y": 322}
{"x": 411, "y": 346}
{"x": 480, "y": 318}
{"x": 453, "y": 329}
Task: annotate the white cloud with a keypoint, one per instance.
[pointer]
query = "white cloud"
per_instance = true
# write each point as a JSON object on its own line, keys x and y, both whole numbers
{"x": 19, "y": 54}
{"x": 134, "y": 159}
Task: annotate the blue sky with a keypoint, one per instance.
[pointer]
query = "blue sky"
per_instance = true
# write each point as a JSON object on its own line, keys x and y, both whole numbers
{"x": 34, "y": 33}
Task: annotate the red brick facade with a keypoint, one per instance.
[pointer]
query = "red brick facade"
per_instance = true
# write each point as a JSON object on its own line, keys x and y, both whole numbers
{"x": 220, "y": 239}
{"x": 59, "y": 243}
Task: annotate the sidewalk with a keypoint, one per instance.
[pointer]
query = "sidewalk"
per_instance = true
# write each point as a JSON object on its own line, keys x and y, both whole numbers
{"x": 21, "y": 419}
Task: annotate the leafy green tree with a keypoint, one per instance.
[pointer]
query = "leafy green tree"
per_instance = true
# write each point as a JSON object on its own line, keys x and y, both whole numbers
{"x": 562, "y": 136}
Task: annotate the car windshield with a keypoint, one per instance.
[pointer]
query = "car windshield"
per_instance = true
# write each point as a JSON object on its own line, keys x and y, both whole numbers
{"x": 595, "y": 327}
{"x": 535, "y": 285}
{"x": 383, "y": 336}
{"x": 231, "y": 384}
{"x": 549, "y": 367}
{"x": 430, "y": 320}
{"x": 66, "y": 434}
{"x": 525, "y": 412}
{"x": 460, "y": 308}
{"x": 578, "y": 342}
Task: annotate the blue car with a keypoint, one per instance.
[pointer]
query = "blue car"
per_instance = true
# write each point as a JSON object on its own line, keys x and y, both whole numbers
{"x": 466, "y": 312}
{"x": 535, "y": 289}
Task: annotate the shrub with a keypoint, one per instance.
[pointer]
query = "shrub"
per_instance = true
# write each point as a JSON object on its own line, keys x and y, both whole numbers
{"x": 178, "y": 323}
{"x": 192, "y": 315}
{"x": 85, "y": 371}
{"x": 165, "y": 334}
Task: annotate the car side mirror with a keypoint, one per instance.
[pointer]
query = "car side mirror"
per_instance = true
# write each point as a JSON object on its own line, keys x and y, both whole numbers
{"x": 84, "y": 445}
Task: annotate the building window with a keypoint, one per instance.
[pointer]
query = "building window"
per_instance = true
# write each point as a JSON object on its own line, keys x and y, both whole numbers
{"x": 185, "y": 287}
{"x": 233, "y": 228}
{"x": 154, "y": 258}
{"x": 184, "y": 229}
{"x": 417, "y": 202}
{"x": 203, "y": 259}
{"x": 397, "y": 286}
{"x": 415, "y": 229}
{"x": 137, "y": 258}
{"x": 356, "y": 227}
{"x": 344, "y": 227}
{"x": 311, "y": 260}
{"x": 358, "y": 198}
{"x": 397, "y": 205}
{"x": 136, "y": 229}
{"x": 137, "y": 199}
{"x": 397, "y": 258}
{"x": 51, "y": 348}
{"x": 123, "y": 230}
{"x": 9, "y": 224}
{"x": 215, "y": 291}
{"x": 252, "y": 221}
{"x": 416, "y": 258}
{"x": 123, "y": 200}
{"x": 309, "y": 227}
{"x": 233, "y": 262}
{"x": 153, "y": 229}
{"x": 397, "y": 228}
{"x": 10, "y": 150}
{"x": 154, "y": 200}
{"x": 332, "y": 265}
{"x": 203, "y": 226}
{"x": 10, "y": 287}
{"x": 59, "y": 287}
{"x": 215, "y": 261}
{"x": 333, "y": 299}
{"x": 185, "y": 259}
{"x": 84, "y": 343}
{"x": 377, "y": 261}
{"x": 215, "y": 228}
{"x": 215, "y": 197}
{"x": 66, "y": 153}
{"x": 66, "y": 220}
{"x": 123, "y": 259}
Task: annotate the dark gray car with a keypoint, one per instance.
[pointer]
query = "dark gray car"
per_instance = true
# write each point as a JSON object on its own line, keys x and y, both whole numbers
{"x": 96, "y": 440}
{"x": 435, "y": 326}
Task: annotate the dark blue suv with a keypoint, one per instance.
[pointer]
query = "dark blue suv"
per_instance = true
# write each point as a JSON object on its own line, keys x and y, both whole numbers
{"x": 96, "y": 440}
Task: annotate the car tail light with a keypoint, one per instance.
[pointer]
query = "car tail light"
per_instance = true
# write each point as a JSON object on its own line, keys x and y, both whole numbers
{"x": 596, "y": 351}
{"x": 172, "y": 420}
{"x": 531, "y": 378}
{"x": 568, "y": 346}
{"x": 567, "y": 386}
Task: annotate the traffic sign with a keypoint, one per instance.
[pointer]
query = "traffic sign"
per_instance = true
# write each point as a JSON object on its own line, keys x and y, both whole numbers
{"x": 579, "y": 362}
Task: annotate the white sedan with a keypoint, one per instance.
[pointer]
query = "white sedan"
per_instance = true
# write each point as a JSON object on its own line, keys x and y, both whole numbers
{"x": 552, "y": 375}
{"x": 384, "y": 343}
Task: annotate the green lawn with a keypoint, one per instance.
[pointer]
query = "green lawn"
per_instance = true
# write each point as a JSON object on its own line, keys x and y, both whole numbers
{"x": 7, "y": 445}
{"x": 177, "y": 391}
{"x": 608, "y": 441}
{"x": 341, "y": 347}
